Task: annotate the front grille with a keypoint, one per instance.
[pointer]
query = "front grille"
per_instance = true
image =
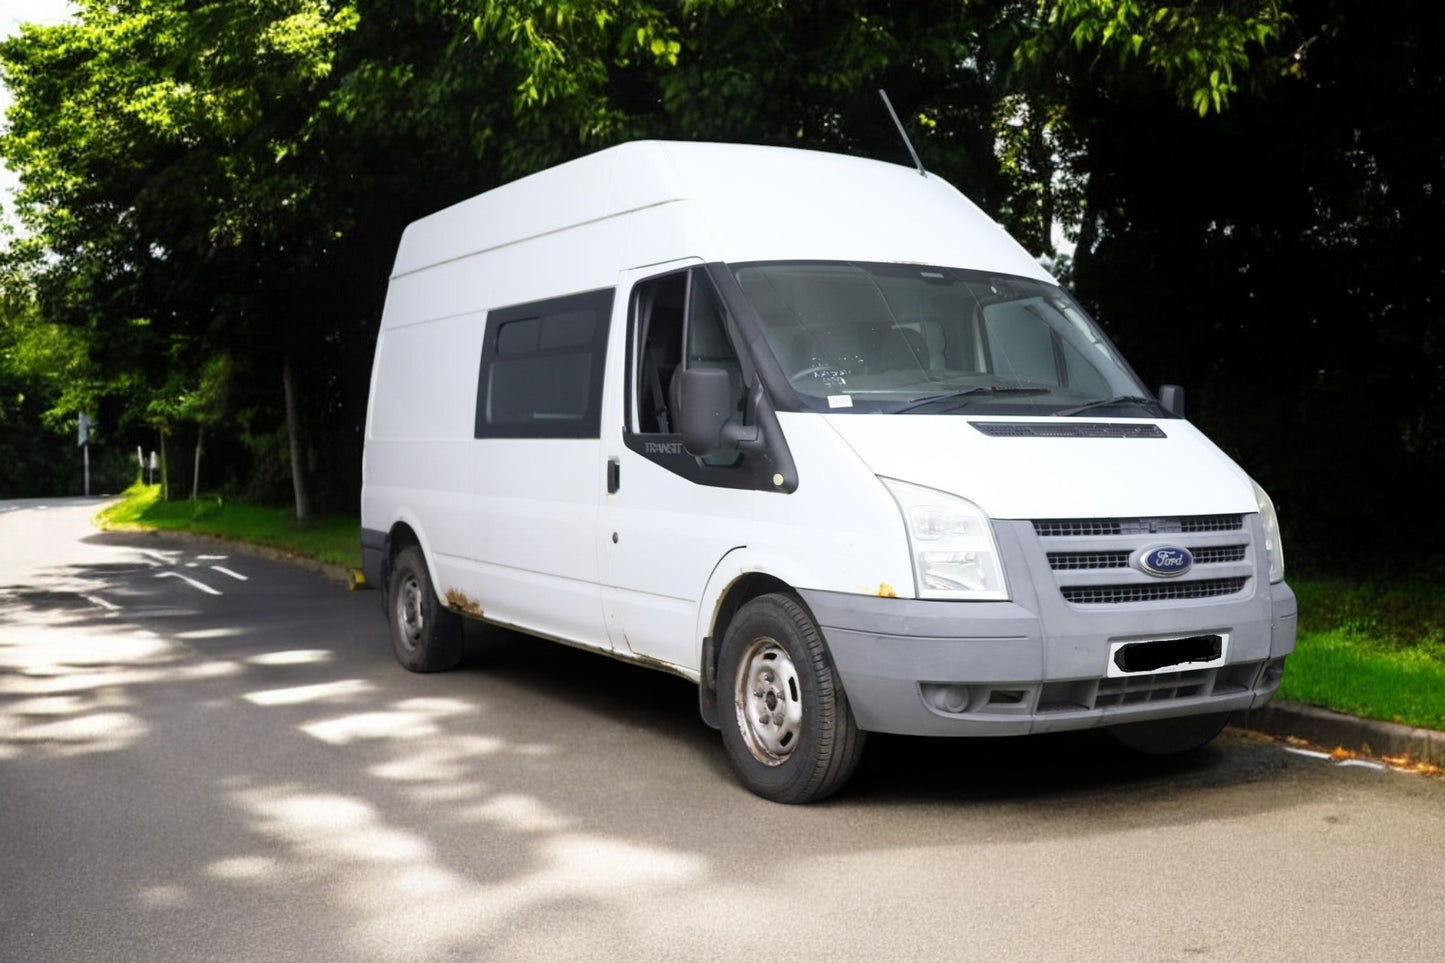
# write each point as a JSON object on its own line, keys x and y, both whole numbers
{"x": 1153, "y": 591}
{"x": 1160, "y": 687}
{"x": 1080, "y": 561}
{"x": 1091, "y": 527}
{"x": 1216, "y": 556}
{"x": 1090, "y": 694}
{"x": 1075, "y": 561}
{"x": 1094, "y": 560}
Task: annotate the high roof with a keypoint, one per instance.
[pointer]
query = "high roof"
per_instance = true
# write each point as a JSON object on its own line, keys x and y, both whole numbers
{"x": 755, "y": 203}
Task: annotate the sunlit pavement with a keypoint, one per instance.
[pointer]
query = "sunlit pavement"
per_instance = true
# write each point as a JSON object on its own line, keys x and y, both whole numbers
{"x": 244, "y": 773}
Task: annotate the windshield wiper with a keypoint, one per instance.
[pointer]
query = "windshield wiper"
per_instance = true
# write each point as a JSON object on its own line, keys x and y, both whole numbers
{"x": 1109, "y": 403}
{"x": 975, "y": 390}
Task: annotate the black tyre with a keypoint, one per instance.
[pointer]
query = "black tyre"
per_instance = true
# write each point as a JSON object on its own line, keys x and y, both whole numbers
{"x": 1170, "y": 737}
{"x": 786, "y": 724}
{"x": 424, "y": 636}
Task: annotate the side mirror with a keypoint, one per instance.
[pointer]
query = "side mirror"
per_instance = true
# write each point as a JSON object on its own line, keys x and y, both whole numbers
{"x": 1171, "y": 399}
{"x": 703, "y": 404}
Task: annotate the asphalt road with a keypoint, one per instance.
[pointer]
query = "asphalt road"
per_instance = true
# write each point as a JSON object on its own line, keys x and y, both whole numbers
{"x": 211, "y": 756}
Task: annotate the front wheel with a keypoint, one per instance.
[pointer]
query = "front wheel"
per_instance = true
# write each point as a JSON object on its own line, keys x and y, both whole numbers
{"x": 1171, "y": 737}
{"x": 425, "y": 636}
{"x": 786, "y": 725}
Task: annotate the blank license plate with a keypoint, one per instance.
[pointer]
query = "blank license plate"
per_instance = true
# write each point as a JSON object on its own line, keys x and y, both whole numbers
{"x": 1193, "y": 652}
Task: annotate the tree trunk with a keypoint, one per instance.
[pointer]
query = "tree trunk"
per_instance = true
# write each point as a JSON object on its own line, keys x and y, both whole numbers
{"x": 196, "y": 471}
{"x": 293, "y": 437}
{"x": 165, "y": 470}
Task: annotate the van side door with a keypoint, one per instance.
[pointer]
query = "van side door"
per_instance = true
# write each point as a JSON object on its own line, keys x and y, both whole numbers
{"x": 667, "y": 517}
{"x": 538, "y": 440}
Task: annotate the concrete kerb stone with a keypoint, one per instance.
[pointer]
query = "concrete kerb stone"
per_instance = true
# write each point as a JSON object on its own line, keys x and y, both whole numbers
{"x": 1327, "y": 728}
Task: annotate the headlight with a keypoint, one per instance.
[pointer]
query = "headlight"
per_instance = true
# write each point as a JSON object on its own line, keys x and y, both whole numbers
{"x": 951, "y": 542}
{"x": 1272, "y": 545}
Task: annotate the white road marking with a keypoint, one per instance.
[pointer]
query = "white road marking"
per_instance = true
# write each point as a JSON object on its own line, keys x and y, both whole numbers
{"x": 1348, "y": 762}
{"x": 1363, "y": 764}
{"x": 189, "y": 581}
{"x": 97, "y": 600}
{"x": 1308, "y": 753}
{"x": 225, "y": 571}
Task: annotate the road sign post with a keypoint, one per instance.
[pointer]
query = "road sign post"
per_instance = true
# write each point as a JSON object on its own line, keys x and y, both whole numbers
{"x": 85, "y": 423}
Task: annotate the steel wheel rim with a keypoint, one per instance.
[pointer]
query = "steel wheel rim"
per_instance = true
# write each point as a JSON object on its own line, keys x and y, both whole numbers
{"x": 769, "y": 700}
{"x": 410, "y": 614}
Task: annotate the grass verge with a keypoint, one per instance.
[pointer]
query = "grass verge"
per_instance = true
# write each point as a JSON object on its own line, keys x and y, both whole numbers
{"x": 329, "y": 538}
{"x": 1371, "y": 650}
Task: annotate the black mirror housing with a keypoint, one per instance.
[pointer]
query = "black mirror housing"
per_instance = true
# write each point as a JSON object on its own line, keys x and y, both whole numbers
{"x": 704, "y": 409}
{"x": 704, "y": 403}
{"x": 1171, "y": 399}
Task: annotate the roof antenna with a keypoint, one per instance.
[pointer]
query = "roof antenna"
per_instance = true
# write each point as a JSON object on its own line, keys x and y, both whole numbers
{"x": 901, "y": 132}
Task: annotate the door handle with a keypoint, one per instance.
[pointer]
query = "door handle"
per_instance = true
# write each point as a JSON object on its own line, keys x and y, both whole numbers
{"x": 614, "y": 476}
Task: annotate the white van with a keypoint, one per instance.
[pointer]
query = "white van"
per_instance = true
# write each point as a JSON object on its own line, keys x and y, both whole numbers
{"x": 813, "y": 432}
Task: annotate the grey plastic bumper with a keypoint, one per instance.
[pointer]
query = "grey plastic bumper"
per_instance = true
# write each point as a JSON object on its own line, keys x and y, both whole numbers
{"x": 1040, "y": 664}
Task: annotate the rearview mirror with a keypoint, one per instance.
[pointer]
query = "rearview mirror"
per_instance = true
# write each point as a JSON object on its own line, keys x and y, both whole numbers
{"x": 704, "y": 408}
{"x": 1171, "y": 399}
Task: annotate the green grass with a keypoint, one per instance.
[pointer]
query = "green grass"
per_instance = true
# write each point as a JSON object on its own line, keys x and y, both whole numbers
{"x": 329, "y": 538}
{"x": 1372, "y": 650}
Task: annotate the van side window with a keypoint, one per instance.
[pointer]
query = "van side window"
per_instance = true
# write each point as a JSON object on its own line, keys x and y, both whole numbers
{"x": 668, "y": 312}
{"x": 658, "y": 308}
{"x": 541, "y": 369}
{"x": 708, "y": 347}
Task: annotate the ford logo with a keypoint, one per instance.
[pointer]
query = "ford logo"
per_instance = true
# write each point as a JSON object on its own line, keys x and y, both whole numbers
{"x": 1166, "y": 560}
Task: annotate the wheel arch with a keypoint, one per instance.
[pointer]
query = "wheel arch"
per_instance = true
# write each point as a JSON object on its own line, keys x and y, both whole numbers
{"x": 401, "y": 535}
{"x": 737, "y": 590}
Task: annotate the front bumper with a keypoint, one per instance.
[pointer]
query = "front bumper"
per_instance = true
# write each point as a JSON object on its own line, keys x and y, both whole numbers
{"x": 1041, "y": 664}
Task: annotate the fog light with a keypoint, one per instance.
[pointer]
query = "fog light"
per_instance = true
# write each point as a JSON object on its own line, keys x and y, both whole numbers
{"x": 948, "y": 698}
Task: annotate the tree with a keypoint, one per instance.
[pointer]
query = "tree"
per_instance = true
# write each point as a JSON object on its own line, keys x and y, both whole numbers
{"x": 1277, "y": 258}
{"x": 216, "y": 181}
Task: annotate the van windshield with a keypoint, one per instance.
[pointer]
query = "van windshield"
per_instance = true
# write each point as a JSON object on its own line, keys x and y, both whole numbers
{"x": 910, "y": 338}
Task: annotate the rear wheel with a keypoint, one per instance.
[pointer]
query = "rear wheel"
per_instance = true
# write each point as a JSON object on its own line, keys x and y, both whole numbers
{"x": 424, "y": 635}
{"x": 1170, "y": 737}
{"x": 786, "y": 725}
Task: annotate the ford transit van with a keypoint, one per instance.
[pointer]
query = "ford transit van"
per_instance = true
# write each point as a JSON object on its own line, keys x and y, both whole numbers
{"x": 813, "y": 432}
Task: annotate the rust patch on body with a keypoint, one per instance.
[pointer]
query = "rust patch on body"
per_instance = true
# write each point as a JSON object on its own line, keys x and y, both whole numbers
{"x": 464, "y": 604}
{"x": 885, "y": 591}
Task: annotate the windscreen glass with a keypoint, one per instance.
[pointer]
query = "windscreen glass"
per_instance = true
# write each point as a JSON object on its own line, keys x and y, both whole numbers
{"x": 893, "y": 337}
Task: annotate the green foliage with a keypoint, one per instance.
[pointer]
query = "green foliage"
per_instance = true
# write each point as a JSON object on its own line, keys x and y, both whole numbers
{"x": 1278, "y": 259}
{"x": 1200, "y": 51}
{"x": 214, "y": 192}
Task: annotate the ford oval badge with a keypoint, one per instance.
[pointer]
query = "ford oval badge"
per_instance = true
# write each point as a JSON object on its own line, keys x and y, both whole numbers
{"x": 1166, "y": 560}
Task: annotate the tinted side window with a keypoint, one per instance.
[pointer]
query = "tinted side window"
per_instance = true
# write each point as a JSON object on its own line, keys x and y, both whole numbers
{"x": 542, "y": 366}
